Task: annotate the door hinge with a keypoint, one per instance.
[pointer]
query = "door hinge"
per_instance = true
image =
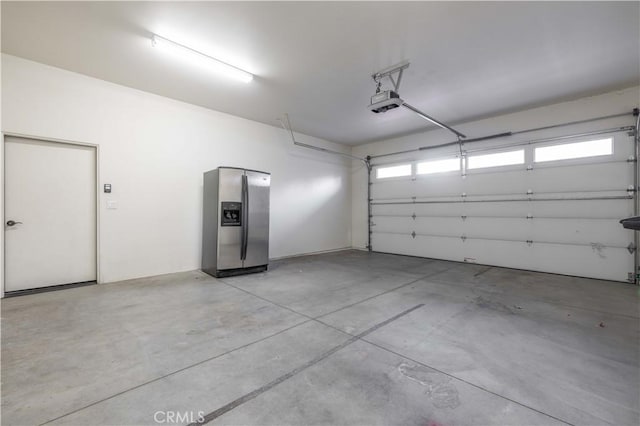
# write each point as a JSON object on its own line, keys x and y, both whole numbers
{"x": 631, "y": 190}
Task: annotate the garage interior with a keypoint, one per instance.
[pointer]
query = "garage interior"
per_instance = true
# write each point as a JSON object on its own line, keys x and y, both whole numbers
{"x": 440, "y": 237}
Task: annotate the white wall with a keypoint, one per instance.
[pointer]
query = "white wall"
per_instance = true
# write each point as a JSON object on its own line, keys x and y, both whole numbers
{"x": 595, "y": 106}
{"x": 153, "y": 150}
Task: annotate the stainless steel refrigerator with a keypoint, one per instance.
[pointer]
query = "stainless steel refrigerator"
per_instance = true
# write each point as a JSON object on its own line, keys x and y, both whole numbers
{"x": 235, "y": 225}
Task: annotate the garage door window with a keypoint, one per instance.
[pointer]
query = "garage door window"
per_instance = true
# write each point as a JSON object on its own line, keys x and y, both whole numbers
{"x": 439, "y": 166}
{"x": 569, "y": 151}
{"x": 394, "y": 171}
{"x": 495, "y": 160}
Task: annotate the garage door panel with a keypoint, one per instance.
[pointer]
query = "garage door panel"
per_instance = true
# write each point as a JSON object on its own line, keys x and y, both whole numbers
{"x": 496, "y": 183}
{"x": 392, "y": 189}
{"x": 611, "y": 209}
{"x": 453, "y": 209}
{"x": 499, "y": 209}
{"x": 437, "y": 247}
{"x": 608, "y": 263}
{"x": 503, "y": 228}
{"x": 430, "y": 247}
{"x": 570, "y": 231}
{"x": 495, "y": 252}
{"x": 391, "y": 209}
{"x": 418, "y": 209}
{"x": 586, "y": 177}
{"x": 393, "y": 224}
{"x": 393, "y": 243}
{"x": 439, "y": 226}
{"x": 580, "y": 231}
{"x": 438, "y": 186}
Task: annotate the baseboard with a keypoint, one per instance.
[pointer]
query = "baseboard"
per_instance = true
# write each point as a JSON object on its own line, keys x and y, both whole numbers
{"x": 310, "y": 253}
{"x": 48, "y": 289}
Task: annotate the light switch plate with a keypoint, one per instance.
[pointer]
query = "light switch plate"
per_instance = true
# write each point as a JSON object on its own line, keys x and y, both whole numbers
{"x": 112, "y": 205}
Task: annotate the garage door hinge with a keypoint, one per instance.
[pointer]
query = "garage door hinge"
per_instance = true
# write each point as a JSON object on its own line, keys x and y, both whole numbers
{"x": 632, "y": 248}
{"x": 463, "y": 217}
{"x": 413, "y": 216}
{"x": 529, "y": 167}
{"x": 463, "y": 238}
{"x": 631, "y": 190}
{"x": 529, "y": 242}
{"x": 413, "y": 234}
{"x": 529, "y": 216}
{"x": 631, "y": 277}
{"x": 631, "y": 159}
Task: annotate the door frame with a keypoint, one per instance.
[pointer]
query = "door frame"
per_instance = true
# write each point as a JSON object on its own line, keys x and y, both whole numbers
{"x": 96, "y": 150}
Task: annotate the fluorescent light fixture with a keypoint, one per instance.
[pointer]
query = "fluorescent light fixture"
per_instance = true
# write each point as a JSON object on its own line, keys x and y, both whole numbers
{"x": 200, "y": 59}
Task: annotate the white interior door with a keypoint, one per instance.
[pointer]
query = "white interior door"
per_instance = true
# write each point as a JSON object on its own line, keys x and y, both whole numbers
{"x": 50, "y": 213}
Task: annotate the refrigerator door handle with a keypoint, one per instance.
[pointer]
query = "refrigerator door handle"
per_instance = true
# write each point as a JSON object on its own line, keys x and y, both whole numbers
{"x": 245, "y": 217}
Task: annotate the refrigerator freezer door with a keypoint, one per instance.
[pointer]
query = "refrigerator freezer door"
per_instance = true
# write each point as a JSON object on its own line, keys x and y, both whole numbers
{"x": 229, "y": 234}
{"x": 210, "y": 222}
{"x": 257, "y": 221}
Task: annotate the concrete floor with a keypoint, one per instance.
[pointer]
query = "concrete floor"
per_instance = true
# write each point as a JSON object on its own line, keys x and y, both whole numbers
{"x": 342, "y": 338}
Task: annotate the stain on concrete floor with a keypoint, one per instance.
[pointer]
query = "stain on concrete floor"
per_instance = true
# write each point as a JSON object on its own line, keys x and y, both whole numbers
{"x": 438, "y": 387}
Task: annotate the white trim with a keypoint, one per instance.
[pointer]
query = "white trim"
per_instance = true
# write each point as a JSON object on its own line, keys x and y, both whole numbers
{"x": 47, "y": 139}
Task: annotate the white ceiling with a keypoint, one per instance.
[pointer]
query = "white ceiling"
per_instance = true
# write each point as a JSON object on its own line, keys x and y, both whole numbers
{"x": 314, "y": 59}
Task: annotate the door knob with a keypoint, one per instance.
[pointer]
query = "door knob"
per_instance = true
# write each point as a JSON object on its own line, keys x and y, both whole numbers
{"x": 13, "y": 223}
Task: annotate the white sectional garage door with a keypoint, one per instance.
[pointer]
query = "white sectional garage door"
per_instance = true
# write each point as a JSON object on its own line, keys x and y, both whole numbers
{"x": 560, "y": 216}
